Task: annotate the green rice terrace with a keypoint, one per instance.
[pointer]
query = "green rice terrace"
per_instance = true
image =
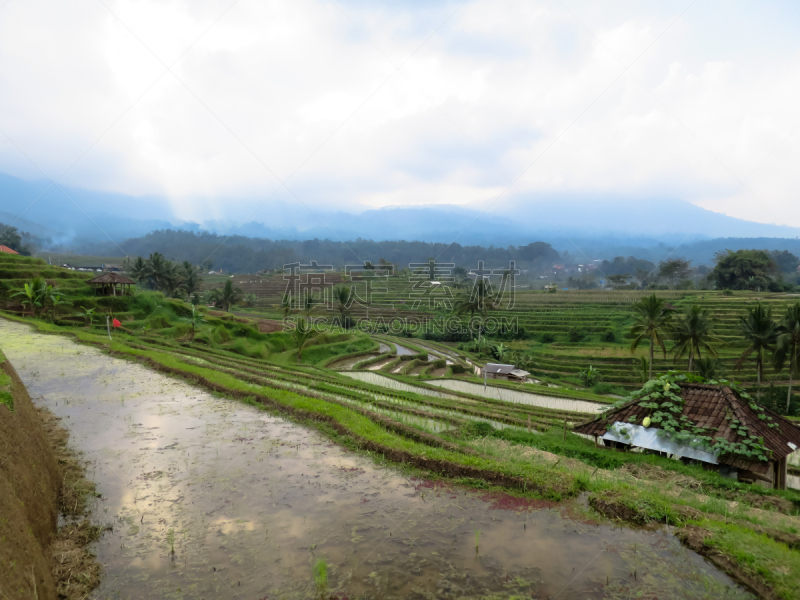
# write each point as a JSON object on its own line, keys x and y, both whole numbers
{"x": 411, "y": 406}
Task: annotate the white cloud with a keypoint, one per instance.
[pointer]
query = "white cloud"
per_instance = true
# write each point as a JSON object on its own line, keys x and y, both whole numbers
{"x": 309, "y": 91}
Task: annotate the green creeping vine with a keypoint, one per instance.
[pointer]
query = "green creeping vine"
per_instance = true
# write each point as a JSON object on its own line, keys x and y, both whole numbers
{"x": 662, "y": 397}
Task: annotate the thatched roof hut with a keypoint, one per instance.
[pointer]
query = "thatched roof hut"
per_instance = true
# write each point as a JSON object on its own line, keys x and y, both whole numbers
{"x": 111, "y": 284}
{"x": 715, "y": 412}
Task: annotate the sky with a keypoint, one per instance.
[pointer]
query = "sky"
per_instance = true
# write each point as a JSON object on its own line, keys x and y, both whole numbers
{"x": 222, "y": 107}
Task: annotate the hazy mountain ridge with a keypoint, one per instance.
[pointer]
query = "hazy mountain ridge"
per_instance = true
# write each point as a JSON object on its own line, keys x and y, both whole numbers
{"x": 99, "y": 222}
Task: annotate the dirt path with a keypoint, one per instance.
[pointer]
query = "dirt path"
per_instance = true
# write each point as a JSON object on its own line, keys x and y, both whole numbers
{"x": 211, "y": 498}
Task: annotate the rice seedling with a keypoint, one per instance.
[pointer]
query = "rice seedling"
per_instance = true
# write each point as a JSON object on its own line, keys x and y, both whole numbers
{"x": 320, "y": 573}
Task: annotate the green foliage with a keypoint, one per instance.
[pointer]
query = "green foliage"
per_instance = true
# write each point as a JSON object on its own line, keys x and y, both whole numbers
{"x": 759, "y": 556}
{"x": 774, "y": 398}
{"x": 652, "y": 322}
{"x": 662, "y": 397}
{"x": 608, "y": 388}
{"x": 5, "y": 390}
{"x": 576, "y": 335}
{"x": 693, "y": 334}
{"x": 760, "y": 332}
{"x": 787, "y": 348}
{"x": 225, "y": 297}
{"x": 743, "y": 270}
{"x": 590, "y": 376}
{"x": 11, "y": 237}
{"x": 609, "y": 336}
{"x": 320, "y": 573}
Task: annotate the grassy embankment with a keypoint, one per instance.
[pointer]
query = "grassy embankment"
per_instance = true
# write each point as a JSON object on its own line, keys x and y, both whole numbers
{"x": 40, "y": 479}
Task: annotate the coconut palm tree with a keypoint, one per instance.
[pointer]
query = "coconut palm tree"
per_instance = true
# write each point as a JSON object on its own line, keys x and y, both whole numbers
{"x": 709, "y": 368}
{"x": 191, "y": 277}
{"x": 788, "y": 347}
{"x": 761, "y": 333}
{"x": 342, "y": 295}
{"x": 693, "y": 333}
{"x": 652, "y": 322}
{"x": 285, "y": 305}
{"x": 138, "y": 269}
{"x": 157, "y": 270}
{"x": 477, "y": 301}
{"x": 308, "y": 304}
{"x": 228, "y": 296}
{"x": 302, "y": 333}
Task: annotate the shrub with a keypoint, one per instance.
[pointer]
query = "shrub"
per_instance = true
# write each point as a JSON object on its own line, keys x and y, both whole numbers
{"x": 609, "y": 336}
{"x": 608, "y": 388}
{"x": 576, "y": 335}
{"x": 590, "y": 376}
{"x": 548, "y": 338}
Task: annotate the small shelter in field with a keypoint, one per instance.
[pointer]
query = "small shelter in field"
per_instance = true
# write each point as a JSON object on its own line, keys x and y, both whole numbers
{"x": 111, "y": 284}
{"x": 507, "y": 372}
{"x": 7, "y": 250}
{"x": 713, "y": 412}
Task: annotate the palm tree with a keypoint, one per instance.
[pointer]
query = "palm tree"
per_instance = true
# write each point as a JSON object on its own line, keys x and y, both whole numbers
{"x": 173, "y": 280}
{"x": 191, "y": 277}
{"x": 302, "y": 333}
{"x": 157, "y": 270}
{"x": 788, "y": 347}
{"x": 709, "y": 368}
{"x": 761, "y": 333}
{"x": 652, "y": 322}
{"x": 308, "y": 304}
{"x": 478, "y": 301}
{"x": 692, "y": 333}
{"x": 342, "y": 295}
{"x": 139, "y": 269}
{"x": 285, "y": 306}
{"x": 642, "y": 369}
{"x": 228, "y": 296}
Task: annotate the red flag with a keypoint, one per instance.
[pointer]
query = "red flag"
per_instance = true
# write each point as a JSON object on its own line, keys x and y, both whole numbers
{"x": 116, "y": 323}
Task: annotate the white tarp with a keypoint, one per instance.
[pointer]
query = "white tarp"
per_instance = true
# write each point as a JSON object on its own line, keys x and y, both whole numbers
{"x": 647, "y": 437}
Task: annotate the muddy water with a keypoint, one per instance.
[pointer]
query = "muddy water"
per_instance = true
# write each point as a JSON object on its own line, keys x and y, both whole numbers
{"x": 249, "y": 502}
{"x": 500, "y": 393}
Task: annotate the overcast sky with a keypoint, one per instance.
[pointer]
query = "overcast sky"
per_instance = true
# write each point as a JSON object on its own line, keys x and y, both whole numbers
{"x": 359, "y": 104}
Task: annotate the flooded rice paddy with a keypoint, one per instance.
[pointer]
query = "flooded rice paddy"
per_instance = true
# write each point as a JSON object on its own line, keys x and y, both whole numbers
{"x": 210, "y": 498}
{"x": 499, "y": 393}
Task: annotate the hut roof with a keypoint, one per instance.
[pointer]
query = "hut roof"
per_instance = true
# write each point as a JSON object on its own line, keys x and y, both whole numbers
{"x": 498, "y": 369}
{"x": 709, "y": 406}
{"x": 8, "y": 250}
{"x": 112, "y": 278}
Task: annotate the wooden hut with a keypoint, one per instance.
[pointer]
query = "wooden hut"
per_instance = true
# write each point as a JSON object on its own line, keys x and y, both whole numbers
{"x": 111, "y": 284}
{"x": 721, "y": 414}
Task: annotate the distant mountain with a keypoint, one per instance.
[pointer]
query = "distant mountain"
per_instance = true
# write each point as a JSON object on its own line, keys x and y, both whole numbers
{"x": 581, "y": 226}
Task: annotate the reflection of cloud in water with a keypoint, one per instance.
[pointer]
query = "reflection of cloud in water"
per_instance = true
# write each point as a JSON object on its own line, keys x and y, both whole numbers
{"x": 226, "y": 525}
